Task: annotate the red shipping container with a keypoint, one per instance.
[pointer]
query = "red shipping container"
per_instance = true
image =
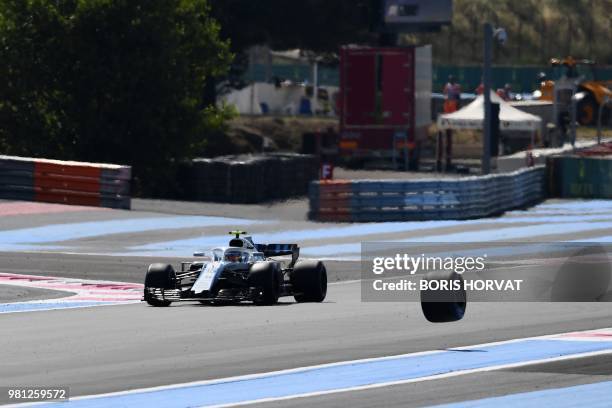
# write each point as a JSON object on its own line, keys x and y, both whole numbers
{"x": 385, "y": 101}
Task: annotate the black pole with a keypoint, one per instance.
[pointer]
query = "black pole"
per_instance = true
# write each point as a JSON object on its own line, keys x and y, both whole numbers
{"x": 486, "y": 81}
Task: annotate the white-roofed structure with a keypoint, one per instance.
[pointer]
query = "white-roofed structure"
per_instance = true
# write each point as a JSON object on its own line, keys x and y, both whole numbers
{"x": 471, "y": 117}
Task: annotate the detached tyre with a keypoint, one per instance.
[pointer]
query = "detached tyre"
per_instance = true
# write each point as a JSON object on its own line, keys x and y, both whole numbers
{"x": 448, "y": 302}
{"x": 309, "y": 281}
{"x": 160, "y": 277}
{"x": 266, "y": 278}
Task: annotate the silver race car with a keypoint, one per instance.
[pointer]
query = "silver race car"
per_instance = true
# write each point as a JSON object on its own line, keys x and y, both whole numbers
{"x": 242, "y": 271}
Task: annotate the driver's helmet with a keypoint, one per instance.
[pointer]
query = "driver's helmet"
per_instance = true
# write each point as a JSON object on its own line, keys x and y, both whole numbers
{"x": 234, "y": 256}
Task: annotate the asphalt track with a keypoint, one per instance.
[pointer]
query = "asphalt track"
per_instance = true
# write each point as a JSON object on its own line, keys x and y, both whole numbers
{"x": 116, "y": 348}
{"x": 106, "y": 349}
{"x": 469, "y": 387}
{"x": 9, "y": 293}
{"x": 118, "y": 268}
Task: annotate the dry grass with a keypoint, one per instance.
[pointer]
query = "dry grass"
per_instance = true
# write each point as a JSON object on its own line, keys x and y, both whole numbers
{"x": 588, "y": 133}
{"x": 285, "y": 132}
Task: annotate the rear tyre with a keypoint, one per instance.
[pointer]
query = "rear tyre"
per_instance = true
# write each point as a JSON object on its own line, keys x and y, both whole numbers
{"x": 159, "y": 276}
{"x": 309, "y": 281}
{"x": 441, "y": 306}
{"x": 266, "y": 278}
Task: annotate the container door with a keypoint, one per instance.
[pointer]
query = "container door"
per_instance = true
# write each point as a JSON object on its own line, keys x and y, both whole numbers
{"x": 359, "y": 88}
{"x": 397, "y": 88}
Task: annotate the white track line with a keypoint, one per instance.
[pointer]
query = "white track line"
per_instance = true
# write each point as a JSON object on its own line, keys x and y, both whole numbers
{"x": 415, "y": 380}
{"x": 349, "y": 362}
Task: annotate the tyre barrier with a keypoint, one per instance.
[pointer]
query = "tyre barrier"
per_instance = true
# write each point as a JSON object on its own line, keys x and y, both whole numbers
{"x": 248, "y": 178}
{"x": 584, "y": 175}
{"x": 65, "y": 182}
{"x": 418, "y": 200}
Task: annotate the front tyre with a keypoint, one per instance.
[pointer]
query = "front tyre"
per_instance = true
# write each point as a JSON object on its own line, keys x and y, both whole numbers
{"x": 309, "y": 281}
{"x": 160, "y": 277}
{"x": 266, "y": 278}
{"x": 447, "y": 304}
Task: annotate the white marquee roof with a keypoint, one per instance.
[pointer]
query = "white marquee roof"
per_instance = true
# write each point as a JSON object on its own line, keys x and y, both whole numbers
{"x": 471, "y": 116}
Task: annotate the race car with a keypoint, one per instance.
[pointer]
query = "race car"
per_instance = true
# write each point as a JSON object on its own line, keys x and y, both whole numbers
{"x": 242, "y": 271}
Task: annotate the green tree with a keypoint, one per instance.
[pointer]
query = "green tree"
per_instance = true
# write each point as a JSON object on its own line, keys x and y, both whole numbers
{"x": 109, "y": 80}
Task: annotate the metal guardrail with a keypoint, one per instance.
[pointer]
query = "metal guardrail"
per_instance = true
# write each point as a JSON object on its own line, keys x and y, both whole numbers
{"x": 66, "y": 182}
{"x": 416, "y": 200}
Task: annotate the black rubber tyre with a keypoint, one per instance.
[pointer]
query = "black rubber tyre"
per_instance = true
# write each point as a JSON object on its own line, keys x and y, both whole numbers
{"x": 266, "y": 276}
{"x": 309, "y": 281}
{"x": 587, "y": 111}
{"x": 441, "y": 306}
{"x": 159, "y": 276}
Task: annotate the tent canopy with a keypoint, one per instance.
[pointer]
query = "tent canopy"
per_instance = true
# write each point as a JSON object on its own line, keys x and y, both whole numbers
{"x": 471, "y": 116}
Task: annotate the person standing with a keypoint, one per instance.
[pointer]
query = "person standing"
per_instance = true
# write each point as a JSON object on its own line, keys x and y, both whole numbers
{"x": 452, "y": 95}
{"x": 480, "y": 88}
{"x": 505, "y": 93}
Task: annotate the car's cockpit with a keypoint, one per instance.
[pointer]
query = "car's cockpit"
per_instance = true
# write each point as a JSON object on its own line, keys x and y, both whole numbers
{"x": 236, "y": 255}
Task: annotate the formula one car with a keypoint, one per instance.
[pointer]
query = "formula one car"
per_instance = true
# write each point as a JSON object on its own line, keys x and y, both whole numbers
{"x": 242, "y": 271}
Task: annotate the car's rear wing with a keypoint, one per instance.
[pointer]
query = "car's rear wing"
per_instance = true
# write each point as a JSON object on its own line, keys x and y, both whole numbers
{"x": 270, "y": 250}
{"x": 277, "y": 249}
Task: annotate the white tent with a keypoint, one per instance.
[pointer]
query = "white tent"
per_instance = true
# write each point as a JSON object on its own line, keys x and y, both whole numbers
{"x": 471, "y": 116}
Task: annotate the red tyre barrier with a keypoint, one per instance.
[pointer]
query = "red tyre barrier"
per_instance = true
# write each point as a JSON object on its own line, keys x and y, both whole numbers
{"x": 68, "y": 197}
{"x": 51, "y": 176}
{"x": 334, "y": 198}
{"x": 77, "y": 183}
